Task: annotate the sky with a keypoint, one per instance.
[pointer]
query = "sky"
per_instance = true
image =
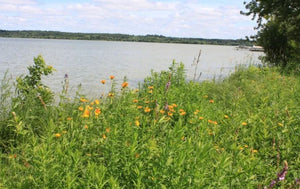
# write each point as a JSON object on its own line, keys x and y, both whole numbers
{"x": 219, "y": 19}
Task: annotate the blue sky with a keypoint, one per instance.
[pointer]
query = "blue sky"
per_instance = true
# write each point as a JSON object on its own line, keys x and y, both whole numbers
{"x": 177, "y": 18}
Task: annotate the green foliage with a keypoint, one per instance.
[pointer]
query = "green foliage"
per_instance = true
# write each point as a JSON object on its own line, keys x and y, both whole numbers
{"x": 119, "y": 37}
{"x": 279, "y": 21}
{"x": 229, "y": 134}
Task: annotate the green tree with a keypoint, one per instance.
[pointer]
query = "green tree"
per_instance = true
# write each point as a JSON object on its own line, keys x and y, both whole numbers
{"x": 278, "y": 22}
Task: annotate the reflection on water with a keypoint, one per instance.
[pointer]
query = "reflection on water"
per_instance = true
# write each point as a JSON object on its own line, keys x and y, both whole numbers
{"x": 88, "y": 62}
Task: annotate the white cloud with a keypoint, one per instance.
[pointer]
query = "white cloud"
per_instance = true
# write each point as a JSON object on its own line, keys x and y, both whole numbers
{"x": 182, "y": 18}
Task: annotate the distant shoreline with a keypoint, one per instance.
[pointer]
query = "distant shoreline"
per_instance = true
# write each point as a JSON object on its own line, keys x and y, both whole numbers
{"x": 119, "y": 37}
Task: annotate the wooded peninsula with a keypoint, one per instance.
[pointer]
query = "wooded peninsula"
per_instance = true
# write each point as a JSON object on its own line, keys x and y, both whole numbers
{"x": 119, "y": 37}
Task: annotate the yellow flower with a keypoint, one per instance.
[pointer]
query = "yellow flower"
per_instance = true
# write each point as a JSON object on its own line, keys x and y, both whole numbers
{"x": 57, "y": 135}
{"x": 86, "y": 113}
{"x": 103, "y": 82}
{"x": 64, "y": 132}
{"x": 254, "y": 151}
{"x": 137, "y": 123}
{"x": 97, "y": 102}
{"x": 135, "y": 101}
{"x": 280, "y": 124}
{"x": 111, "y": 94}
{"x": 97, "y": 111}
{"x": 205, "y": 96}
{"x": 162, "y": 111}
{"x": 226, "y": 116}
{"x": 244, "y": 123}
{"x": 139, "y": 107}
{"x": 151, "y": 87}
{"x": 80, "y": 108}
{"x": 125, "y": 84}
{"x": 111, "y": 77}
{"x": 170, "y": 114}
{"x": 104, "y": 136}
{"x": 201, "y": 118}
{"x": 86, "y": 127}
{"x": 83, "y": 100}
{"x": 147, "y": 109}
{"x": 150, "y": 91}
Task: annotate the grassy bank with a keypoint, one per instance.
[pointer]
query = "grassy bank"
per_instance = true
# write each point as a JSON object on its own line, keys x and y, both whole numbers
{"x": 169, "y": 133}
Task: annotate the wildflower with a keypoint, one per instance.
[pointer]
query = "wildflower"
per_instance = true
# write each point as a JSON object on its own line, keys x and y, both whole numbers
{"x": 216, "y": 123}
{"x": 241, "y": 148}
{"x": 97, "y": 102}
{"x": 57, "y": 135}
{"x": 147, "y": 109}
{"x": 205, "y": 96}
{"x": 139, "y": 107}
{"x": 64, "y": 132}
{"x": 182, "y": 113}
{"x": 112, "y": 77}
{"x": 244, "y": 123}
{"x": 103, "y": 82}
{"x": 86, "y": 113}
{"x": 107, "y": 129}
{"x": 170, "y": 114}
{"x": 125, "y": 84}
{"x": 183, "y": 138}
{"x": 147, "y": 102}
{"x": 211, "y": 101}
{"x": 150, "y": 91}
{"x": 104, "y": 136}
{"x": 69, "y": 118}
{"x": 162, "y": 111}
{"x": 226, "y": 116}
{"x": 97, "y": 111}
{"x": 137, "y": 155}
{"x": 12, "y": 156}
{"x": 246, "y": 146}
{"x": 86, "y": 127}
{"x": 92, "y": 103}
{"x": 201, "y": 118}
{"x": 137, "y": 123}
{"x": 210, "y": 121}
{"x": 168, "y": 85}
{"x": 151, "y": 87}
{"x": 90, "y": 107}
{"x": 254, "y": 151}
{"x": 280, "y": 124}
{"x": 111, "y": 94}
{"x": 174, "y": 105}
{"x": 136, "y": 90}
{"x": 89, "y": 155}
{"x": 181, "y": 110}
{"x": 135, "y": 101}
{"x": 80, "y": 108}
{"x": 83, "y": 100}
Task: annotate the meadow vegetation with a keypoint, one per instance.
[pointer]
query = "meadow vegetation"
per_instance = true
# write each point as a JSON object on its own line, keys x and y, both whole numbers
{"x": 241, "y": 132}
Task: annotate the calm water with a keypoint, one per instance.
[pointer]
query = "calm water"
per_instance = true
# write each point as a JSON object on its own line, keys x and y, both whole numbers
{"x": 88, "y": 62}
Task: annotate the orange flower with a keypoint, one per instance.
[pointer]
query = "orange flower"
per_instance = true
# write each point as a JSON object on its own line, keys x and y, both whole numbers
{"x": 244, "y": 123}
{"x": 201, "y": 118}
{"x": 139, "y": 107}
{"x": 86, "y": 113}
{"x": 86, "y": 127}
{"x": 135, "y": 101}
{"x": 112, "y": 77}
{"x": 69, "y": 118}
{"x": 211, "y": 101}
{"x": 107, "y": 129}
{"x": 182, "y": 113}
{"x": 162, "y": 111}
{"x": 12, "y": 156}
{"x": 103, "y": 81}
{"x": 57, "y": 135}
{"x": 170, "y": 114}
{"x": 210, "y": 121}
{"x": 147, "y": 109}
{"x": 151, "y": 87}
{"x": 125, "y": 84}
{"x": 97, "y": 111}
{"x": 104, "y": 136}
{"x": 137, "y": 155}
{"x": 80, "y": 108}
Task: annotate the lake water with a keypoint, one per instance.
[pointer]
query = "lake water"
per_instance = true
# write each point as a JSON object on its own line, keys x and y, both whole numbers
{"x": 88, "y": 62}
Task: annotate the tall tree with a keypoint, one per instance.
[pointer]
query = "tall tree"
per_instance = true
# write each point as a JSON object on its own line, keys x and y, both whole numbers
{"x": 278, "y": 22}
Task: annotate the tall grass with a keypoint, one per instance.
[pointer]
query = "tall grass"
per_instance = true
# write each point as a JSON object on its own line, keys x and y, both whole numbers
{"x": 168, "y": 133}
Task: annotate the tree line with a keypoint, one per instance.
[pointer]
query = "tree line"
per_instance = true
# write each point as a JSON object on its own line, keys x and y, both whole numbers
{"x": 119, "y": 37}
